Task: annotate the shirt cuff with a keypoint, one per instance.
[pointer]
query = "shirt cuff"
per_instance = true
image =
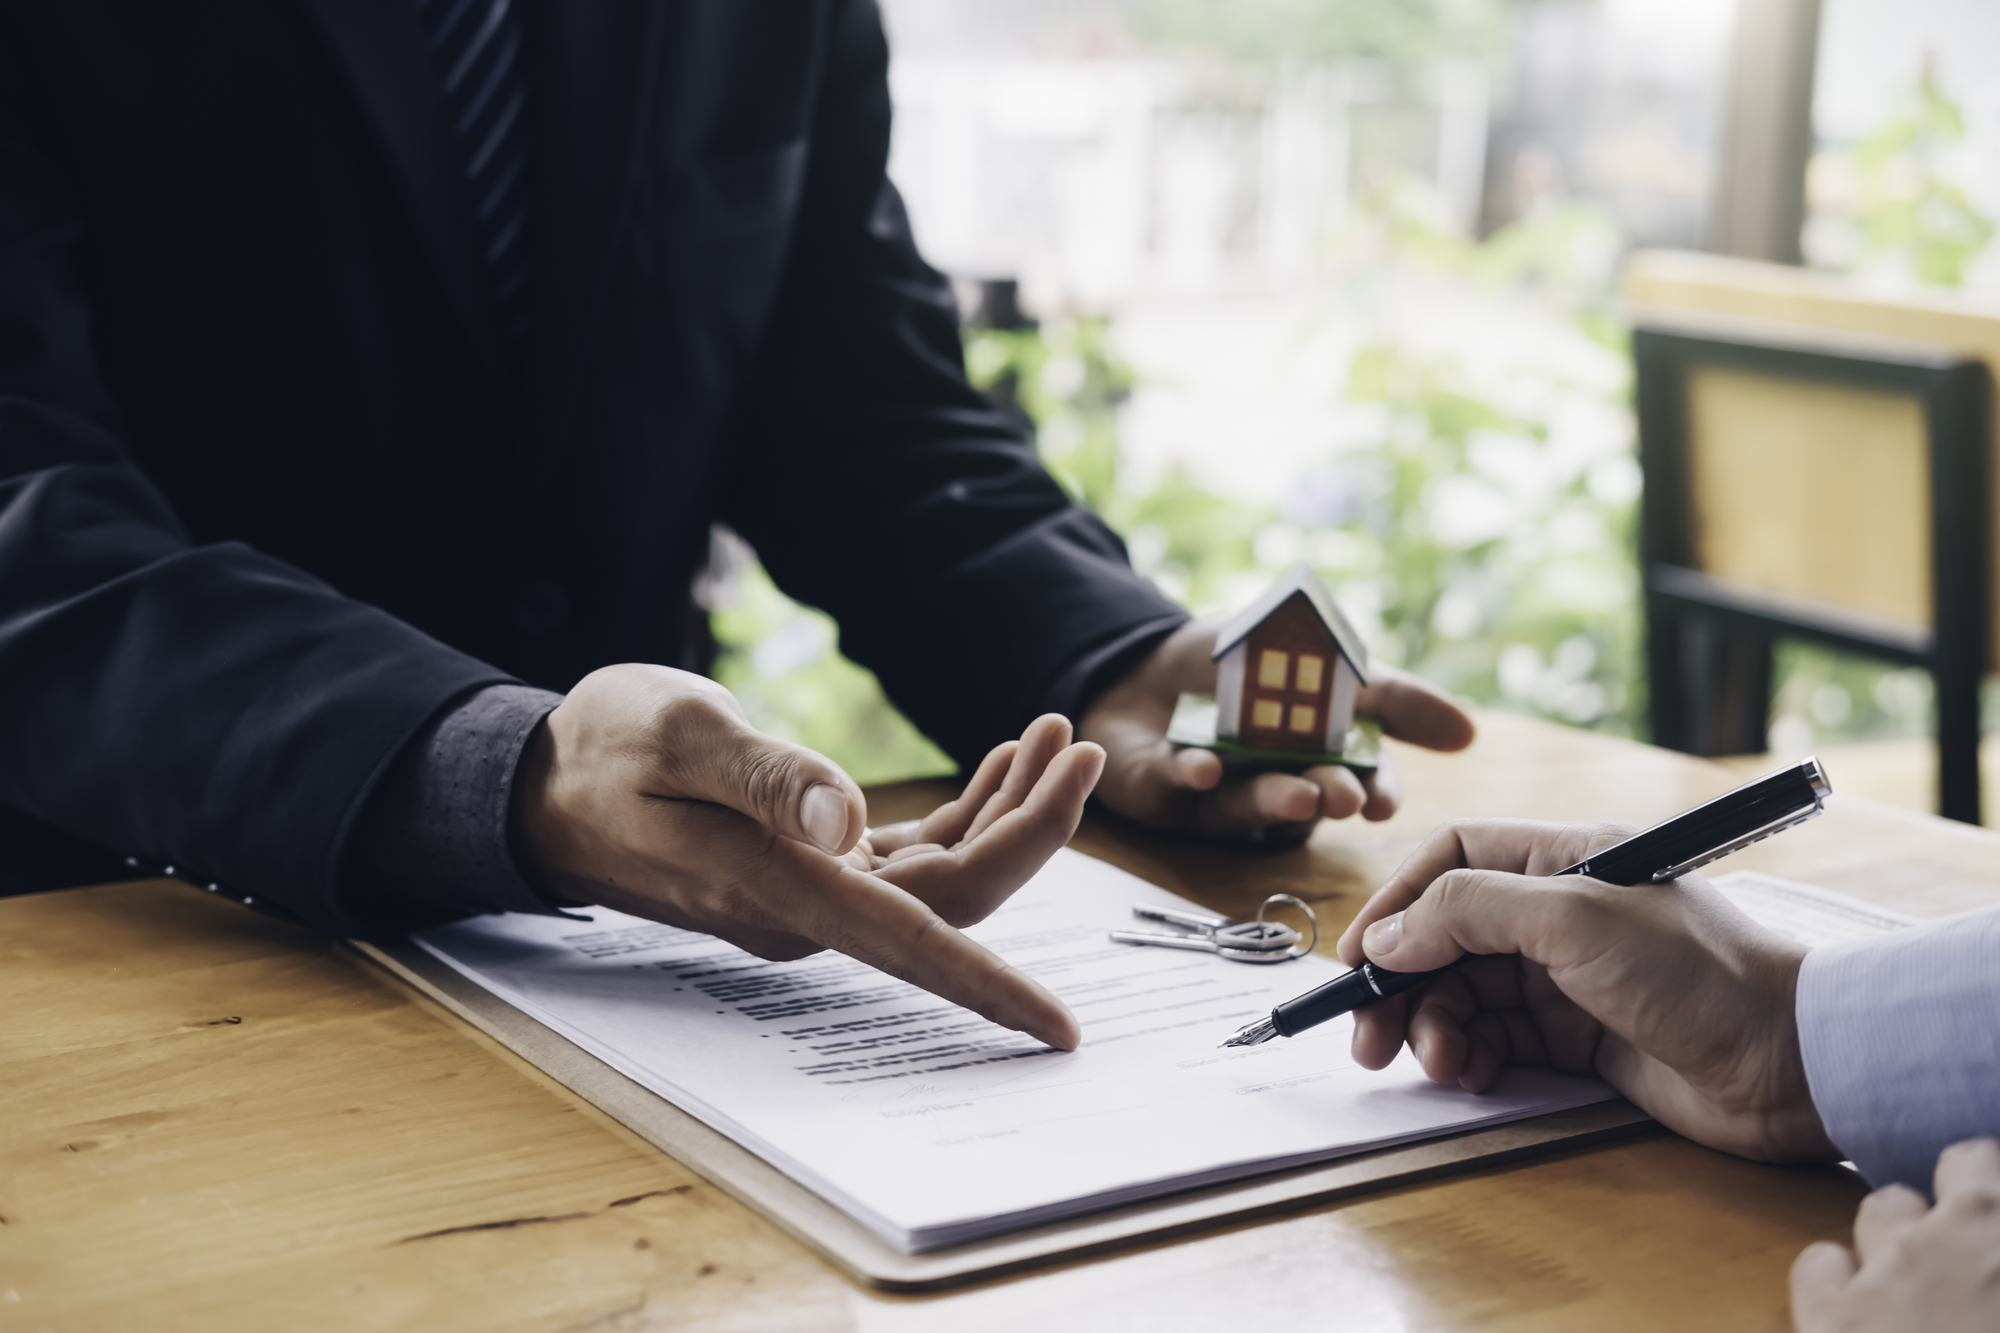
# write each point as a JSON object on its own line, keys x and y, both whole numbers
{"x": 433, "y": 841}
{"x": 1901, "y": 1039}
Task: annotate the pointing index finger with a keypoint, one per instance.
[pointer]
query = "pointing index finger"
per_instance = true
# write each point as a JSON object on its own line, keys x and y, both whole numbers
{"x": 874, "y": 922}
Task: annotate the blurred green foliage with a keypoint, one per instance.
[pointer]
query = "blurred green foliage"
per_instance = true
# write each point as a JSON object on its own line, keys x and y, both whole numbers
{"x": 1480, "y": 529}
{"x": 1480, "y": 538}
{"x": 1907, "y": 204}
{"x": 1066, "y": 381}
{"x": 1501, "y": 537}
{"x": 1477, "y": 533}
{"x": 781, "y": 661}
{"x": 1892, "y": 205}
{"x": 1826, "y": 697}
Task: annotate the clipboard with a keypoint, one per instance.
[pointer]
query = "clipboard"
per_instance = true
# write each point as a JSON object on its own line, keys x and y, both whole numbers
{"x": 870, "y": 1260}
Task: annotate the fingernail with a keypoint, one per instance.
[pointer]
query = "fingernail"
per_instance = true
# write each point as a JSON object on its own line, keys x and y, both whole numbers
{"x": 1383, "y": 936}
{"x": 824, "y": 814}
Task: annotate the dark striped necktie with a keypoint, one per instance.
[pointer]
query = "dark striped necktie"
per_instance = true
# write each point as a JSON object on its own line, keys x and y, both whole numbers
{"x": 476, "y": 45}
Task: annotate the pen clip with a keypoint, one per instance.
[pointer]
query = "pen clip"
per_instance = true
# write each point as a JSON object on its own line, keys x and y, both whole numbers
{"x": 1754, "y": 836}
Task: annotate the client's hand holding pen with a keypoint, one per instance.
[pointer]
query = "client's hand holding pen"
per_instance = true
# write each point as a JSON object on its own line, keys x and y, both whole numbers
{"x": 1657, "y": 855}
{"x": 1667, "y": 991}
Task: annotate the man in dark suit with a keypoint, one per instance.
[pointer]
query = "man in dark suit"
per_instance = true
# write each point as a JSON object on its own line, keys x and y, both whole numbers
{"x": 370, "y": 369}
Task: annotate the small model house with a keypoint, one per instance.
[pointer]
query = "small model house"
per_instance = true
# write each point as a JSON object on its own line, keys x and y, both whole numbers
{"x": 1289, "y": 665}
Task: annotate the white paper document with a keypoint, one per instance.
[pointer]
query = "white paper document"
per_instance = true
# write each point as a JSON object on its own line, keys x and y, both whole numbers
{"x": 934, "y": 1127}
{"x": 1807, "y": 913}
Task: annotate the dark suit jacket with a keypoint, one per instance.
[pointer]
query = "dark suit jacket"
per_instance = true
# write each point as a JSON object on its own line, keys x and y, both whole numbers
{"x": 273, "y": 492}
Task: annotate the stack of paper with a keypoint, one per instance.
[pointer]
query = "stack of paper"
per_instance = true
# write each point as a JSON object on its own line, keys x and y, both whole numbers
{"x": 934, "y": 1127}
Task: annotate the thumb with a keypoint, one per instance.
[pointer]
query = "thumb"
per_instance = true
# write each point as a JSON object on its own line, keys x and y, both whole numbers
{"x": 1413, "y": 711}
{"x": 790, "y": 790}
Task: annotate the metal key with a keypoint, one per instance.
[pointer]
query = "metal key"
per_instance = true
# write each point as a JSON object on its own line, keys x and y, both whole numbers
{"x": 1226, "y": 930}
{"x": 1258, "y": 941}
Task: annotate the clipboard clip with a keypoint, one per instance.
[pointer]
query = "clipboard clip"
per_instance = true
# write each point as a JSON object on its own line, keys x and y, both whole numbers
{"x": 1258, "y": 941}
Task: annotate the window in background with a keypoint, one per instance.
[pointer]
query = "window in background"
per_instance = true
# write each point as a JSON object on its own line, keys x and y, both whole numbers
{"x": 1904, "y": 187}
{"x": 1309, "y": 279}
{"x": 1903, "y": 194}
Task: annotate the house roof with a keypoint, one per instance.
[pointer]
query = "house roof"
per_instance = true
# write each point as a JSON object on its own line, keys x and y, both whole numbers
{"x": 1299, "y": 580}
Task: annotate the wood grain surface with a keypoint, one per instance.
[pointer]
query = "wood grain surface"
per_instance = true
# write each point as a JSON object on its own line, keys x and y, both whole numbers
{"x": 210, "y": 1120}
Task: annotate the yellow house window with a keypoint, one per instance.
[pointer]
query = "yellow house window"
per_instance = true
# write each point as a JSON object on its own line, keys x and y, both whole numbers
{"x": 1310, "y": 666}
{"x": 1268, "y": 714}
{"x": 1304, "y": 718}
{"x": 1271, "y": 666}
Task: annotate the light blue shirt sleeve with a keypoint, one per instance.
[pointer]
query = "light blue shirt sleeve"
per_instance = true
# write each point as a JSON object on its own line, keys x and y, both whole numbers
{"x": 1901, "y": 1038}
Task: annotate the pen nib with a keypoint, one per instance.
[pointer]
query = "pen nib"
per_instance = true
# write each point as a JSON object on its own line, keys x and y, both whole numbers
{"x": 1253, "y": 1034}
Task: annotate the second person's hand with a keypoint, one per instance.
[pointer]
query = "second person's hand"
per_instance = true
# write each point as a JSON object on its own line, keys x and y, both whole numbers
{"x": 1149, "y": 779}
{"x": 1914, "y": 1265}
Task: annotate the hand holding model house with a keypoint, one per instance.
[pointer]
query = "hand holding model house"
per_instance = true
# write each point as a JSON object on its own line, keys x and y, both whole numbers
{"x": 1288, "y": 667}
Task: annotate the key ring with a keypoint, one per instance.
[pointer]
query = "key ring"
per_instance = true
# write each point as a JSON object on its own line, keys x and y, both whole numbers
{"x": 1287, "y": 900}
{"x": 1259, "y": 941}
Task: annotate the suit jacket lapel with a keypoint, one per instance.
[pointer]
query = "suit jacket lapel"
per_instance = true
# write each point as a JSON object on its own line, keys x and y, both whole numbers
{"x": 591, "y": 89}
{"x": 380, "y": 43}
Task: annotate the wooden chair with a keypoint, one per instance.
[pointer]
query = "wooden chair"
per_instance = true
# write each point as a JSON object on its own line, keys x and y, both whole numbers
{"x": 1818, "y": 464}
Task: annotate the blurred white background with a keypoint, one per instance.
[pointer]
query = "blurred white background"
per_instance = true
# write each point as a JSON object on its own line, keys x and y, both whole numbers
{"x": 1335, "y": 280}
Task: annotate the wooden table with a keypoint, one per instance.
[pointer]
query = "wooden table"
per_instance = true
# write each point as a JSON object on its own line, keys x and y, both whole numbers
{"x": 213, "y": 1121}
